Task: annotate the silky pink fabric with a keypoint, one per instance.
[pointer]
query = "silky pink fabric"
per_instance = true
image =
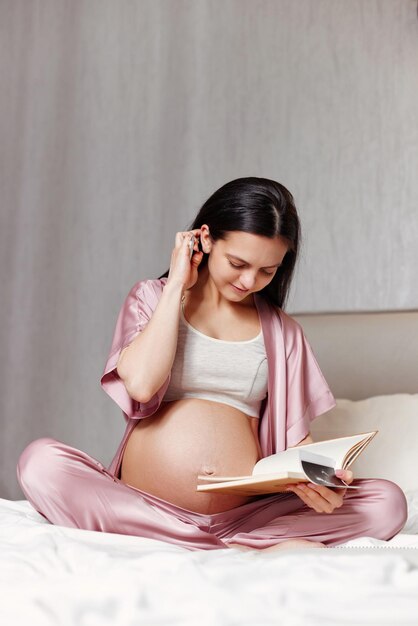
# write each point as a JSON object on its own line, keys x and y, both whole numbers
{"x": 297, "y": 390}
{"x": 70, "y": 488}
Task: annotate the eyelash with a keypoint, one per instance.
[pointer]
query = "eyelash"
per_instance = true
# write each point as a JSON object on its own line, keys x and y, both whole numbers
{"x": 238, "y": 266}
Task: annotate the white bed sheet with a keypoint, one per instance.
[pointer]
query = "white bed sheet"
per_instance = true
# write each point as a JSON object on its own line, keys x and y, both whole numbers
{"x": 52, "y": 575}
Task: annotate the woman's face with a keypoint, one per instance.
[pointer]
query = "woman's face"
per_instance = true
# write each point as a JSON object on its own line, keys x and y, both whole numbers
{"x": 243, "y": 263}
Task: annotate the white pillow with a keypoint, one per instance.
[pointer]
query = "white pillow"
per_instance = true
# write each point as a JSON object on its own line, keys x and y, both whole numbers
{"x": 393, "y": 452}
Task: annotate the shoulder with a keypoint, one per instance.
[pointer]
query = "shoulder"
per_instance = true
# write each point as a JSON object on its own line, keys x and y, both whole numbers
{"x": 292, "y": 331}
{"x": 288, "y": 323}
{"x": 287, "y": 326}
{"x": 143, "y": 298}
{"x": 148, "y": 290}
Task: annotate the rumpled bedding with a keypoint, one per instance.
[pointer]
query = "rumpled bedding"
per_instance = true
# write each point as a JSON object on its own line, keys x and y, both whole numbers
{"x": 52, "y": 575}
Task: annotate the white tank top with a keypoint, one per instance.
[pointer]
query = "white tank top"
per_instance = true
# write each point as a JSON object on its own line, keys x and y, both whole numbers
{"x": 232, "y": 372}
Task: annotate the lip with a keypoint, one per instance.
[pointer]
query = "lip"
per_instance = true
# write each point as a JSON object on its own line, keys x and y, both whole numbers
{"x": 240, "y": 290}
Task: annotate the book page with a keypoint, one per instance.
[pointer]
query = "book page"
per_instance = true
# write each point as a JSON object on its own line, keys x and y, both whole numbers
{"x": 338, "y": 448}
{"x": 330, "y": 453}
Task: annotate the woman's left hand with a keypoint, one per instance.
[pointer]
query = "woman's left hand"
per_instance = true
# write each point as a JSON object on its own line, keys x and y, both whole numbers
{"x": 322, "y": 499}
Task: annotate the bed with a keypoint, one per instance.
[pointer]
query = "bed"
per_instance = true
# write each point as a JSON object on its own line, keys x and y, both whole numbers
{"x": 52, "y": 575}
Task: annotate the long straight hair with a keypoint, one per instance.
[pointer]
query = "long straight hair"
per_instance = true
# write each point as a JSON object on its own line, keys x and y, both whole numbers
{"x": 260, "y": 206}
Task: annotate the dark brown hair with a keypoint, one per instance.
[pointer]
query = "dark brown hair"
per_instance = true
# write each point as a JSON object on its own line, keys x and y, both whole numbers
{"x": 260, "y": 206}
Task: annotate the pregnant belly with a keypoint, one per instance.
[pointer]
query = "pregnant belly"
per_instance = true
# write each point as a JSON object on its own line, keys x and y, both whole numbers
{"x": 166, "y": 452}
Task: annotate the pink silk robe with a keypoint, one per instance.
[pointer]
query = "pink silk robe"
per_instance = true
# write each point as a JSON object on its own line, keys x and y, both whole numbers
{"x": 297, "y": 390}
{"x": 71, "y": 488}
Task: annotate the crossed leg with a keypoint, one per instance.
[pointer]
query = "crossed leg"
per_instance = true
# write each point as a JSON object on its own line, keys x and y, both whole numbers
{"x": 70, "y": 488}
{"x": 377, "y": 509}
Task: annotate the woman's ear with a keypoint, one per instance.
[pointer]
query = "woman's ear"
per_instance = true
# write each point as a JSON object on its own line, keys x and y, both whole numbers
{"x": 205, "y": 239}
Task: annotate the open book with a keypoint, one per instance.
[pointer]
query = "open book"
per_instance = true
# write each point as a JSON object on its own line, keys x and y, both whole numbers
{"x": 313, "y": 462}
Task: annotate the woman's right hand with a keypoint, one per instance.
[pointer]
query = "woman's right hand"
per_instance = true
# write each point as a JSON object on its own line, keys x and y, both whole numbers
{"x": 183, "y": 270}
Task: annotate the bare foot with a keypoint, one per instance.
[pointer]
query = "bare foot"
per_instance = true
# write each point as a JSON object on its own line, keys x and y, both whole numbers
{"x": 295, "y": 543}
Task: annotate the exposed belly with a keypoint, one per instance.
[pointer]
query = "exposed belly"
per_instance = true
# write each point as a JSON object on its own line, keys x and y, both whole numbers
{"x": 166, "y": 452}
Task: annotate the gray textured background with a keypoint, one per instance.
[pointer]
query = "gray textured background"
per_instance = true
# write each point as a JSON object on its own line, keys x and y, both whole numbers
{"x": 119, "y": 119}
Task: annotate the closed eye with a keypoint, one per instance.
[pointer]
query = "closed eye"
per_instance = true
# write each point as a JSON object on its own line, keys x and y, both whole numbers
{"x": 238, "y": 266}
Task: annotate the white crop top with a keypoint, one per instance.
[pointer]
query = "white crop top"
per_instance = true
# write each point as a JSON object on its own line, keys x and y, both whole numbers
{"x": 232, "y": 372}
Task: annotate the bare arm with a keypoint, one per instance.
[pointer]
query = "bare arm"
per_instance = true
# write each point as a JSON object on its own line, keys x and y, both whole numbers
{"x": 145, "y": 364}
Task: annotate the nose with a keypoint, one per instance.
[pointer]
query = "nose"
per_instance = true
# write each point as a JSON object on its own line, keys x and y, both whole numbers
{"x": 247, "y": 280}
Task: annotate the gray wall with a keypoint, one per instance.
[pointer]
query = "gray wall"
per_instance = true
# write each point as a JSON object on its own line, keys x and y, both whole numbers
{"x": 119, "y": 118}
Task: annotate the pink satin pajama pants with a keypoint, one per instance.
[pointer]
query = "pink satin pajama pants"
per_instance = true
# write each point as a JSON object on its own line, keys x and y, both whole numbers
{"x": 70, "y": 488}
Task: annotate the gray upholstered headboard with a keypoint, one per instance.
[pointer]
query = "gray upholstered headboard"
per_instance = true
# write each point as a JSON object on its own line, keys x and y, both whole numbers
{"x": 365, "y": 354}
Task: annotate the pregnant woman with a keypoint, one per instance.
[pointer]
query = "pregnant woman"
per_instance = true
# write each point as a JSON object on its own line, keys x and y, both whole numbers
{"x": 212, "y": 375}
